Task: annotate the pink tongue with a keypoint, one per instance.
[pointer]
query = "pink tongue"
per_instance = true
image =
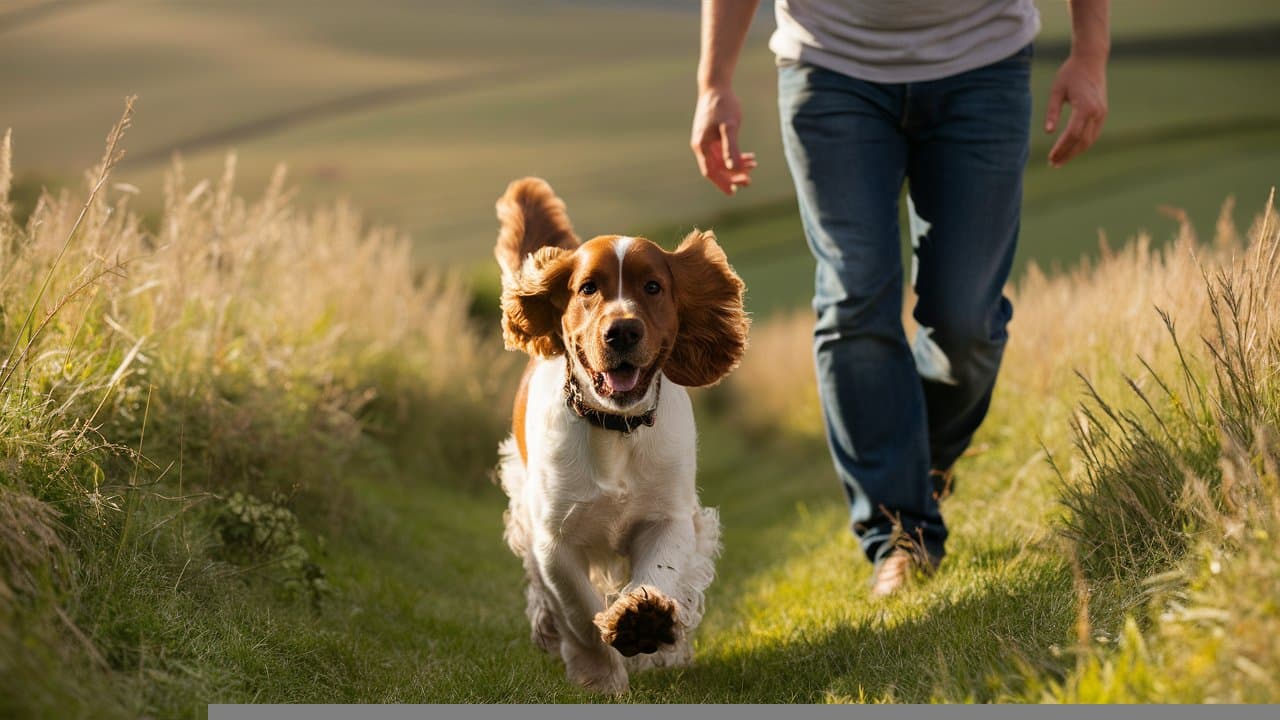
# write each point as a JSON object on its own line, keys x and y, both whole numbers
{"x": 621, "y": 381}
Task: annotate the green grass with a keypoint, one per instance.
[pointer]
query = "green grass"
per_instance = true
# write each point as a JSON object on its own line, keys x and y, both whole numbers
{"x": 222, "y": 352}
{"x": 1153, "y": 18}
{"x": 430, "y": 611}
{"x": 370, "y": 566}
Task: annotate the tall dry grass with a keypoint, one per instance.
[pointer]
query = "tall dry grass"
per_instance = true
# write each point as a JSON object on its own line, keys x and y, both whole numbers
{"x": 246, "y": 325}
{"x": 1185, "y": 495}
{"x": 1150, "y": 378}
{"x": 148, "y": 368}
{"x": 1150, "y": 473}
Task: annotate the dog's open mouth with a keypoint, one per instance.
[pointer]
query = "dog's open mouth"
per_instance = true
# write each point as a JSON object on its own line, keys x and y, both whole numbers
{"x": 623, "y": 383}
{"x": 622, "y": 379}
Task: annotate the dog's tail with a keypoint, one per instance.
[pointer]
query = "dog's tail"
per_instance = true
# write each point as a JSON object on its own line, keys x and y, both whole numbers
{"x": 530, "y": 217}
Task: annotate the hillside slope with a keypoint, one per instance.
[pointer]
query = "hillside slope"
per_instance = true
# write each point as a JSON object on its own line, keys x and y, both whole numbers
{"x": 418, "y": 114}
{"x": 225, "y": 481}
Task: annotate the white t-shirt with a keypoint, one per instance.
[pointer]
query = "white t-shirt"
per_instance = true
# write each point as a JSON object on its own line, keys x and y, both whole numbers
{"x": 899, "y": 41}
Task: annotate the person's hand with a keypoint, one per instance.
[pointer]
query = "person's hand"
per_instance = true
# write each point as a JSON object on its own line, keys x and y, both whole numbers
{"x": 1081, "y": 83}
{"x": 715, "y": 140}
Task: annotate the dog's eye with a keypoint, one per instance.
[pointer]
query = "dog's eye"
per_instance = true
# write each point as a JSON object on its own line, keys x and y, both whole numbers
{"x": 652, "y": 287}
{"x": 588, "y": 288}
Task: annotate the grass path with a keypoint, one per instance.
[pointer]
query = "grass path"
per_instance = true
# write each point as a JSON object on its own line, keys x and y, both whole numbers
{"x": 364, "y": 432}
{"x": 429, "y": 607}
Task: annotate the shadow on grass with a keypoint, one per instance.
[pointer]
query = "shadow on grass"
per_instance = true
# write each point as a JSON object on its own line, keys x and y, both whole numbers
{"x": 763, "y": 490}
{"x": 978, "y": 631}
{"x": 979, "y": 636}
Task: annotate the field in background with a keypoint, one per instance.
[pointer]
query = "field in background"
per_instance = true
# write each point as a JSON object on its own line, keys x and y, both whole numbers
{"x": 422, "y": 117}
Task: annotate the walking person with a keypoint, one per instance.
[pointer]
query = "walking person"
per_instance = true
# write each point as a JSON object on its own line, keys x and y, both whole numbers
{"x": 874, "y": 95}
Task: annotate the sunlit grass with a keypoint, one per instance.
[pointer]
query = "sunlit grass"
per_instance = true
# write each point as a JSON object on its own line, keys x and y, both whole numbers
{"x": 295, "y": 356}
{"x": 244, "y": 345}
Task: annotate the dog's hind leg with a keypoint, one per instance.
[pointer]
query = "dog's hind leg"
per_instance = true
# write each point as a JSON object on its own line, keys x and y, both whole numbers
{"x": 542, "y": 620}
{"x": 518, "y": 534}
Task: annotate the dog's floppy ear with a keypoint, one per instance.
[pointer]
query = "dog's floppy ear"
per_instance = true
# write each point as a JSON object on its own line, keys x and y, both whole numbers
{"x": 533, "y": 299}
{"x": 713, "y": 323}
{"x": 530, "y": 217}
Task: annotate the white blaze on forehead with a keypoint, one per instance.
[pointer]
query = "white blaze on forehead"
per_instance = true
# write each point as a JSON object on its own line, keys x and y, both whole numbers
{"x": 621, "y": 246}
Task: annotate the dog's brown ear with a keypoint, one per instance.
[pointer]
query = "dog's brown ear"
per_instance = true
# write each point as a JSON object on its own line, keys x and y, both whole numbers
{"x": 713, "y": 322}
{"x": 533, "y": 299}
{"x": 530, "y": 217}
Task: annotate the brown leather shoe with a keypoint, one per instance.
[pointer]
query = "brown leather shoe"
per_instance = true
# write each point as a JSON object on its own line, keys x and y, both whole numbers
{"x": 896, "y": 571}
{"x": 892, "y": 573}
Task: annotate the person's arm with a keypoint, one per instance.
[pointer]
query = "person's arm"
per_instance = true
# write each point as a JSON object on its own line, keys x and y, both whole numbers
{"x": 719, "y": 115}
{"x": 1081, "y": 81}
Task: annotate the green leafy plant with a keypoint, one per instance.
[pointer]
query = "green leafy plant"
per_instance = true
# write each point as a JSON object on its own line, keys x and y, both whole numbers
{"x": 265, "y": 536}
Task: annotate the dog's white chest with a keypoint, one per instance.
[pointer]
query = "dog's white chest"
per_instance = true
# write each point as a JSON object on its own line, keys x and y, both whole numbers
{"x": 615, "y": 464}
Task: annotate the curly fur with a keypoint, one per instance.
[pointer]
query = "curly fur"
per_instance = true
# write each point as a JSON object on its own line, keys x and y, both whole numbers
{"x": 533, "y": 299}
{"x": 713, "y": 323}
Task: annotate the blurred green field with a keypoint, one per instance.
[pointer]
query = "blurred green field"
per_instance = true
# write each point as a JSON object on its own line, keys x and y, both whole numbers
{"x": 422, "y": 116}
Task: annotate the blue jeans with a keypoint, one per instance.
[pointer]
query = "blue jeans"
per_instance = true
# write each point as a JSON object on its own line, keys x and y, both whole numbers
{"x": 960, "y": 144}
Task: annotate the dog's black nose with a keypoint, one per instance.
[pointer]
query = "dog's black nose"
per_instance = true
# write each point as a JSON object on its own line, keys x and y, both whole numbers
{"x": 622, "y": 335}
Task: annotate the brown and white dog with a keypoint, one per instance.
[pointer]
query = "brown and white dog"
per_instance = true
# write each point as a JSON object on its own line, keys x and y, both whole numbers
{"x": 600, "y": 465}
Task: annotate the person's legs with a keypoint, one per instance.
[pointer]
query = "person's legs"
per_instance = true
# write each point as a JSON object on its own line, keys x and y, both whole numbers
{"x": 969, "y": 145}
{"x": 848, "y": 157}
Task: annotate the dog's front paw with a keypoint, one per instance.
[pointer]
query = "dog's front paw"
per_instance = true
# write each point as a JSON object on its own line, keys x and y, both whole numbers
{"x": 640, "y": 621}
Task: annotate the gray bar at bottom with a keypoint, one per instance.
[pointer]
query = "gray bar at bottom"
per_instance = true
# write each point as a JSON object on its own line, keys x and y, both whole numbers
{"x": 743, "y": 712}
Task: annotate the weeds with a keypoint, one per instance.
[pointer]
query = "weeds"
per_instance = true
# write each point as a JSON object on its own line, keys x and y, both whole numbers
{"x": 266, "y": 535}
